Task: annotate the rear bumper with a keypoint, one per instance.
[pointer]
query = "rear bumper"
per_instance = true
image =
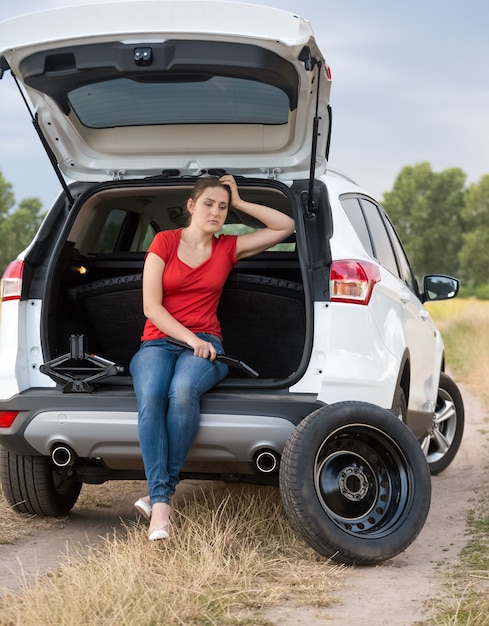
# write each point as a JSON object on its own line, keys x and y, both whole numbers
{"x": 235, "y": 426}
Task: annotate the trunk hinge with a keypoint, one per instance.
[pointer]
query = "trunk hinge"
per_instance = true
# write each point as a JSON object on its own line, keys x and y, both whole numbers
{"x": 46, "y": 146}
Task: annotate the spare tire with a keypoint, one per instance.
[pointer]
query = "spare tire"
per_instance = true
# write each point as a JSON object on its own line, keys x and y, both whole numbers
{"x": 355, "y": 483}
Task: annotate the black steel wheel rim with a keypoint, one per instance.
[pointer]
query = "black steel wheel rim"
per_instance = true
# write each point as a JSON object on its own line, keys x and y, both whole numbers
{"x": 362, "y": 480}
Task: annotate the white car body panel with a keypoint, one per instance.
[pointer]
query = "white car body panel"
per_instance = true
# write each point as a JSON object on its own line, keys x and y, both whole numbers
{"x": 101, "y": 21}
{"x": 358, "y": 350}
{"x": 9, "y": 333}
{"x": 20, "y": 348}
{"x": 349, "y": 360}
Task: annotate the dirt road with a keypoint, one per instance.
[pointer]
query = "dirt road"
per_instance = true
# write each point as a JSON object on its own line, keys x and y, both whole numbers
{"x": 397, "y": 593}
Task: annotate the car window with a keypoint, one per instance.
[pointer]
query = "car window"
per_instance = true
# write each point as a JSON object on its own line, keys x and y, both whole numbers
{"x": 384, "y": 252}
{"x": 119, "y": 231}
{"x": 403, "y": 262}
{"x": 217, "y": 100}
{"x": 126, "y": 231}
{"x": 357, "y": 218}
{"x": 109, "y": 235}
{"x": 241, "y": 229}
{"x": 148, "y": 237}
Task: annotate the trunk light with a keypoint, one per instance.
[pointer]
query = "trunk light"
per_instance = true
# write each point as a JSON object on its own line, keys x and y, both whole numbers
{"x": 11, "y": 283}
{"x": 353, "y": 281}
{"x": 7, "y": 418}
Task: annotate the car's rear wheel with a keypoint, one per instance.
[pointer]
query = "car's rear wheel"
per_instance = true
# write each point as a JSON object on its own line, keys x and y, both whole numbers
{"x": 399, "y": 405}
{"x": 355, "y": 483}
{"x": 442, "y": 444}
{"x": 31, "y": 484}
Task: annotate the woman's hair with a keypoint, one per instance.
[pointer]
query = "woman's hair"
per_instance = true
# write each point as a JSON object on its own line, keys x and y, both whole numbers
{"x": 204, "y": 183}
{"x": 198, "y": 189}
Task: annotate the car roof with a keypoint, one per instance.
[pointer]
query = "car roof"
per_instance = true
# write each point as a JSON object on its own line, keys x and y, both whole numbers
{"x": 137, "y": 88}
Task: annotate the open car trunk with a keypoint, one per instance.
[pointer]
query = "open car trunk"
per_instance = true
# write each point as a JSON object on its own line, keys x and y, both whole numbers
{"x": 138, "y": 103}
{"x": 95, "y": 281}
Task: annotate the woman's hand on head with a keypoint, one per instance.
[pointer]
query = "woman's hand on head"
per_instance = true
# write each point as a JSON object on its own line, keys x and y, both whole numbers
{"x": 203, "y": 349}
{"x": 228, "y": 180}
{"x": 278, "y": 225}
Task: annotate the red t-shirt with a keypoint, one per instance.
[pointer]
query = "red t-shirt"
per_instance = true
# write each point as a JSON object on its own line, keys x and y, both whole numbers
{"x": 191, "y": 295}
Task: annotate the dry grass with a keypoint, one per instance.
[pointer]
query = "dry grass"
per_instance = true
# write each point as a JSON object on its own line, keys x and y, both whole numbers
{"x": 15, "y": 526}
{"x": 231, "y": 555}
{"x": 464, "y": 325}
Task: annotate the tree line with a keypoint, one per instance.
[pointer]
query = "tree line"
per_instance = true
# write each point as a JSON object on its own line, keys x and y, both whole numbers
{"x": 18, "y": 223}
{"x": 442, "y": 222}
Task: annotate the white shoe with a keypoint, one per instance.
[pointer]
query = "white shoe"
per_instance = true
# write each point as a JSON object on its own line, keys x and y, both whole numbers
{"x": 144, "y": 507}
{"x": 159, "y": 533}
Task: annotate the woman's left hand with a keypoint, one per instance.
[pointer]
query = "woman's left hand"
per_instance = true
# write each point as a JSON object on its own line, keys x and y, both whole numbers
{"x": 278, "y": 225}
{"x": 228, "y": 180}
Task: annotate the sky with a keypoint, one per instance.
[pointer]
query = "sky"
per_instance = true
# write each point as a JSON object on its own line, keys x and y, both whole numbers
{"x": 410, "y": 84}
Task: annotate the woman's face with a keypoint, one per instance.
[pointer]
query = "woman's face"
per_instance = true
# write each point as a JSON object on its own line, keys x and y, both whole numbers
{"x": 210, "y": 209}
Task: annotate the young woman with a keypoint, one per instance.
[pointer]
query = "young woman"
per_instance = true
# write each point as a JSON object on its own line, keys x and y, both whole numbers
{"x": 184, "y": 274}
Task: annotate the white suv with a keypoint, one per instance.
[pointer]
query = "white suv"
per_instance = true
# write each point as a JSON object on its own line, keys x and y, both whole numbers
{"x": 132, "y": 103}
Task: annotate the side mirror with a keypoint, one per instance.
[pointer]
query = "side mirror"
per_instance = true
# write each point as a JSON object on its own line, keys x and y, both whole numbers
{"x": 439, "y": 287}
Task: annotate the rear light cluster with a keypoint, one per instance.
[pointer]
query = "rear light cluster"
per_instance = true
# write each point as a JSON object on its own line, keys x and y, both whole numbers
{"x": 11, "y": 283}
{"x": 353, "y": 281}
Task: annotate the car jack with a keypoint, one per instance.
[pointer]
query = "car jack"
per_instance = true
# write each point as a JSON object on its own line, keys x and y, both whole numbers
{"x": 78, "y": 371}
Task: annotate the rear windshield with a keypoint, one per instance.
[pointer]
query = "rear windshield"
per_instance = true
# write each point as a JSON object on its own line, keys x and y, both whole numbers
{"x": 213, "y": 100}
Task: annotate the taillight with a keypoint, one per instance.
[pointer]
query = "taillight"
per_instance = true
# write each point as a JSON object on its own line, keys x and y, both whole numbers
{"x": 7, "y": 418}
{"x": 11, "y": 283}
{"x": 353, "y": 281}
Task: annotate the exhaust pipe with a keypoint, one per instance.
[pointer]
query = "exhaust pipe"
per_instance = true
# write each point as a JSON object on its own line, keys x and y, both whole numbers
{"x": 63, "y": 456}
{"x": 267, "y": 461}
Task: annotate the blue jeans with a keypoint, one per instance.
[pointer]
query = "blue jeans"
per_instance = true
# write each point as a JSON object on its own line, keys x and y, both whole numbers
{"x": 169, "y": 381}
